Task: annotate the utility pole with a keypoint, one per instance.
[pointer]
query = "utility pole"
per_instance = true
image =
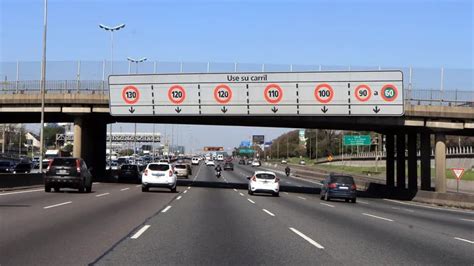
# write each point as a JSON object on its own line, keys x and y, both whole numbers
{"x": 316, "y": 148}
{"x": 287, "y": 148}
{"x": 43, "y": 84}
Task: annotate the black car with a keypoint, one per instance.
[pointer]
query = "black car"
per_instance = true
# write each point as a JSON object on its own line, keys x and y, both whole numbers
{"x": 67, "y": 173}
{"x": 228, "y": 166}
{"x": 6, "y": 166}
{"x": 242, "y": 161}
{"x": 22, "y": 168}
{"x": 339, "y": 187}
{"x": 130, "y": 173}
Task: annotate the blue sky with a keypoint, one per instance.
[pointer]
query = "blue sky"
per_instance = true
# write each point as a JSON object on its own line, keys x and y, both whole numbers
{"x": 358, "y": 33}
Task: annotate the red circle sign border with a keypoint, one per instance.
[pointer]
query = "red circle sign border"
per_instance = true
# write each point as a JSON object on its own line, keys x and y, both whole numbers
{"x": 180, "y": 88}
{"x": 382, "y": 94}
{"x": 279, "y": 89}
{"x": 227, "y": 88}
{"x": 320, "y": 86}
{"x": 124, "y": 90}
{"x": 365, "y": 87}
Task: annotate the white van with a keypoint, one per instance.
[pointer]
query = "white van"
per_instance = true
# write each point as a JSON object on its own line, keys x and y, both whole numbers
{"x": 220, "y": 157}
{"x": 195, "y": 161}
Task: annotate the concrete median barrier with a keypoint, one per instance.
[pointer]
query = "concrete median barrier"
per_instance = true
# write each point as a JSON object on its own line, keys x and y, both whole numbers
{"x": 20, "y": 180}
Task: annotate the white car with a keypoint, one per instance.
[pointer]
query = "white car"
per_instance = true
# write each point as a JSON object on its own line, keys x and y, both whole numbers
{"x": 256, "y": 163}
{"x": 195, "y": 161}
{"x": 210, "y": 163}
{"x": 263, "y": 181}
{"x": 159, "y": 175}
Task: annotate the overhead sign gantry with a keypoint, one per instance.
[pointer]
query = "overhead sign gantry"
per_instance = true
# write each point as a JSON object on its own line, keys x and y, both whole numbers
{"x": 333, "y": 93}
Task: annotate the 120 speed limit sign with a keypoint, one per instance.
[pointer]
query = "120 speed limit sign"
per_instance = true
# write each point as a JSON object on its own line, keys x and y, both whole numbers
{"x": 222, "y": 93}
{"x": 176, "y": 94}
{"x": 130, "y": 94}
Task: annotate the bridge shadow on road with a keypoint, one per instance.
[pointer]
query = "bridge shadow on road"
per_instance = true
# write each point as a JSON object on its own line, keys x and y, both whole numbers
{"x": 210, "y": 184}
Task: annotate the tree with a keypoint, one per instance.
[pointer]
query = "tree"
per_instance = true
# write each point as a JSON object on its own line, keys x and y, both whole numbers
{"x": 50, "y": 131}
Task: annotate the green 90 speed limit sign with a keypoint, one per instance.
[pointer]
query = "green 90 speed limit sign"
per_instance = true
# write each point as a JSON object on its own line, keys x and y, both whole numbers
{"x": 389, "y": 93}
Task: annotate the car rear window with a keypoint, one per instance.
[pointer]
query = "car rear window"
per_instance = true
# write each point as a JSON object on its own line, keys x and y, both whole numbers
{"x": 4, "y": 163}
{"x": 265, "y": 176}
{"x": 159, "y": 167}
{"x": 180, "y": 166}
{"x": 342, "y": 179}
{"x": 128, "y": 167}
{"x": 64, "y": 162}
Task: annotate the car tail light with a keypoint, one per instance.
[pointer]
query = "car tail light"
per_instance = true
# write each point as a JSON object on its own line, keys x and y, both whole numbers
{"x": 254, "y": 178}
{"x": 49, "y": 165}
{"x": 277, "y": 179}
{"x": 78, "y": 166}
{"x": 171, "y": 173}
{"x": 353, "y": 187}
{"x": 332, "y": 185}
{"x": 146, "y": 172}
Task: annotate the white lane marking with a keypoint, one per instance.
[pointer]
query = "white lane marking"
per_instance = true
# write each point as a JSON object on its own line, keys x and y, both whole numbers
{"x": 197, "y": 174}
{"x": 325, "y": 204}
{"x": 140, "y": 232}
{"x": 467, "y": 220}
{"x": 186, "y": 191}
{"x": 377, "y": 217}
{"x": 465, "y": 240}
{"x": 57, "y": 205}
{"x": 235, "y": 190}
{"x": 123, "y": 189}
{"x": 311, "y": 241}
{"x": 241, "y": 194}
{"x": 138, "y": 185}
{"x": 269, "y": 213}
{"x": 189, "y": 187}
{"x": 96, "y": 183}
{"x": 179, "y": 197}
{"x": 251, "y": 201}
{"x": 21, "y": 192}
{"x": 301, "y": 198}
{"x": 363, "y": 202}
{"x": 286, "y": 193}
{"x": 103, "y": 194}
{"x": 395, "y": 208}
{"x": 428, "y": 207}
{"x": 166, "y": 209}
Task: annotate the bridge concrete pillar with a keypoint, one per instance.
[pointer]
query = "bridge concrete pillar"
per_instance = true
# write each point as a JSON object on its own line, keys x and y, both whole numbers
{"x": 401, "y": 183}
{"x": 94, "y": 145}
{"x": 390, "y": 160}
{"x": 412, "y": 162}
{"x": 440, "y": 162}
{"x": 425, "y": 161}
{"x": 77, "y": 144}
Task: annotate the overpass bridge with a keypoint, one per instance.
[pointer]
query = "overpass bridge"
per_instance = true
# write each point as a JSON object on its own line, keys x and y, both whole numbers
{"x": 426, "y": 113}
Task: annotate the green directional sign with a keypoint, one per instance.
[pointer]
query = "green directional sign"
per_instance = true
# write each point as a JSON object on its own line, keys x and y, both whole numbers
{"x": 246, "y": 151}
{"x": 357, "y": 140}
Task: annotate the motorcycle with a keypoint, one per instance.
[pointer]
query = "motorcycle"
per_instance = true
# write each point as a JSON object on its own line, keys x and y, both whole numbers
{"x": 287, "y": 172}
{"x": 218, "y": 174}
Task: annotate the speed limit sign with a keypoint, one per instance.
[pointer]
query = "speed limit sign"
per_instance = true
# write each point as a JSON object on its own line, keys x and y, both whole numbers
{"x": 176, "y": 94}
{"x": 273, "y": 93}
{"x": 130, "y": 94}
{"x": 389, "y": 93}
{"x": 324, "y": 93}
{"x": 363, "y": 93}
{"x": 222, "y": 93}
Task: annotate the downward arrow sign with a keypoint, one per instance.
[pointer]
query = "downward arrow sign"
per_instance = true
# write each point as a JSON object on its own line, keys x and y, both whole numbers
{"x": 324, "y": 109}
{"x": 224, "y": 110}
{"x": 274, "y": 109}
{"x": 131, "y": 110}
{"x": 178, "y": 110}
{"x": 376, "y": 109}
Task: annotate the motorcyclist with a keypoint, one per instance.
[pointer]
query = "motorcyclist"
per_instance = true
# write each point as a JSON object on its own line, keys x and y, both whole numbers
{"x": 218, "y": 170}
{"x": 287, "y": 170}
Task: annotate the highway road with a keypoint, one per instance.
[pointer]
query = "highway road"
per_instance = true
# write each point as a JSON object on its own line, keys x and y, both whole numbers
{"x": 117, "y": 224}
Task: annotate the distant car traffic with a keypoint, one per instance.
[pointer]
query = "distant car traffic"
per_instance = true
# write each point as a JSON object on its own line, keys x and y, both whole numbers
{"x": 242, "y": 161}
{"x": 159, "y": 175}
{"x": 67, "y": 173}
{"x": 302, "y": 162}
{"x": 339, "y": 187}
{"x": 284, "y": 161}
{"x": 210, "y": 163}
{"x": 24, "y": 168}
{"x": 129, "y": 173}
{"x": 256, "y": 163}
{"x": 182, "y": 170}
{"x": 228, "y": 166}
{"x": 195, "y": 161}
{"x": 7, "y": 166}
{"x": 263, "y": 181}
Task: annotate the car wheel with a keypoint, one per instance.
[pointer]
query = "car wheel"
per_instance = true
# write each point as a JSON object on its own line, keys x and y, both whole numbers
{"x": 47, "y": 188}
{"x": 82, "y": 189}
{"x": 57, "y": 189}
{"x": 326, "y": 197}
{"x": 144, "y": 189}
{"x": 353, "y": 200}
{"x": 89, "y": 188}
{"x": 347, "y": 200}
{"x": 250, "y": 192}
{"x": 173, "y": 189}
{"x": 321, "y": 196}
{"x": 277, "y": 194}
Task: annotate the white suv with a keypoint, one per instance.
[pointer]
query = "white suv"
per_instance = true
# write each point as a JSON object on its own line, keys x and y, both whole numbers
{"x": 195, "y": 161}
{"x": 263, "y": 181}
{"x": 159, "y": 175}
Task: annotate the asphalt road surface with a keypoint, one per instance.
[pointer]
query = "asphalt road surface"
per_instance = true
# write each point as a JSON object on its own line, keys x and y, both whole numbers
{"x": 117, "y": 224}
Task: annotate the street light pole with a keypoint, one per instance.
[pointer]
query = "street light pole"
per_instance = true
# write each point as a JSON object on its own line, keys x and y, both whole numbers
{"x": 111, "y": 29}
{"x": 43, "y": 83}
{"x": 136, "y": 61}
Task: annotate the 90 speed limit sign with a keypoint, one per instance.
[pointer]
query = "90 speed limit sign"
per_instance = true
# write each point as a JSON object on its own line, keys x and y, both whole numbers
{"x": 324, "y": 93}
{"x": 130, "y": 94}
{"x": 176, "y": 94}
{"x": 389, "y": 93}
{"x": 222, "y": 93}
{"x": 363, "y": 93}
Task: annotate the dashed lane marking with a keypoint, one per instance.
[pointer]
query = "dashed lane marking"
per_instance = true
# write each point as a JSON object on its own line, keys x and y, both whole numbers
{"x": 467, "y": 220}
{"x": 140, "y": 232}
{"x": 363, "y": 202}
{"x": 179, "y": 197}
{"x": 311, "y": 241}
{"x": 57, "y": 205}
{"x": 103, "y": 194}
{"x": 428, "y": 207}
{"x": 377, "y": 217}
{"x": 235, "y": 190}
{"x": 325, "y": 204}
{"x": 123, "y": 189}
{"x": 269, "y": 213}
{"x": 241, "y": 194}
{"x": 186, "y": 191}
{"x": 299, "y": 197}
{"x": 465, "y": 240}
{"x": 251, "y": 201}
{"x": 138, "y": 185}
{"x": 166, "y": 209}
{"x": 21, "y": 192}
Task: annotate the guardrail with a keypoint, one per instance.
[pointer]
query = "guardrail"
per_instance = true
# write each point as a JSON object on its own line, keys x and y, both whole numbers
{"x": 414, "y": 97}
